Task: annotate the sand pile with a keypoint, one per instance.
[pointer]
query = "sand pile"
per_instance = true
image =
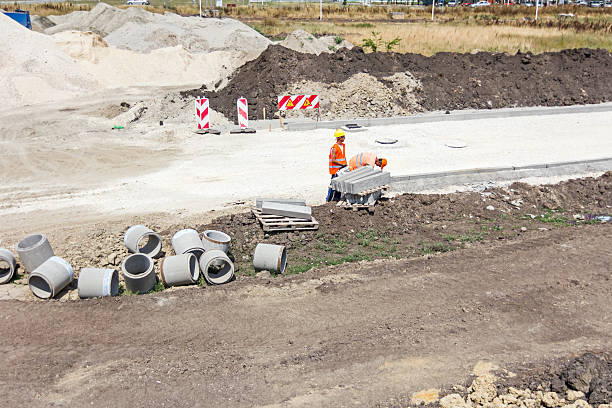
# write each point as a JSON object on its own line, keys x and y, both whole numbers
{"x": 362, "y": 96}
{"x": 34, "y": 70}
{"x": 303, "y": 41}
{"x": 172, "y": 66}
{"x": 139, "y": 30}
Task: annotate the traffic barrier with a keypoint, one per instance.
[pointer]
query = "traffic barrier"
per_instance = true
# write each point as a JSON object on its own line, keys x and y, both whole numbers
{"x": 216, "y": 267}
{"x": 6, "y": 274}
{"x": 187, "y": 241}
{"x": 201, "y": 111}
{"x": 270, "y": 257}
{"x": 33, "y": 250}
{"x": 243, "y": 113}
{"x": 180, "y": 270}
{"x": 212, "y": 239}
{"x": 50, "y": 277}
{"x": 298, "y": 102}
{"x": 96, "y": 282}
{"x": 143, "y": 240}
{"x": 138, "y": 273}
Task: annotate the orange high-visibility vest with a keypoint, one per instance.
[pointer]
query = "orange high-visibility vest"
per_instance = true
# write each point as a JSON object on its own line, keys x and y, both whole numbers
{"x": 337, "y": 159}
{"x": 362, "y": 159}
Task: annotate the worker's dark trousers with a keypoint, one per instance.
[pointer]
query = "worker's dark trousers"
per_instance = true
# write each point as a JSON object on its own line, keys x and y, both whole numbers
{"x": 331, "y": 194}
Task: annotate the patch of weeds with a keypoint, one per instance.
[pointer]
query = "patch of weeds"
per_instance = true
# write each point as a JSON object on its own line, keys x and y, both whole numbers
{"x": 551, "y": 217}
{"x": 332, "y": 48}
{"x": 365, "y": 237}
{"x": 338, "y": 40}
{"x": 436, "y": 247}
{"x": 123, "y": 291}
{"x": 449, "y": 237}
{"x": 300, "y": 268}
{"x": 201, "y": 281}
{"x": 479, "y": 237}
{"x": 339, "y": 245}
{"x": 363, "y": 25}
{"x": 498, "y": 228}
{"x": 159, "y": 287}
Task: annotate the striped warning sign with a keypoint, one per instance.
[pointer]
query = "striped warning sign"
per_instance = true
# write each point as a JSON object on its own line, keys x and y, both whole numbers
{"x": 201, "y": 111}
{"x": 293, "y": 102}
{"x": 243, "y": 112}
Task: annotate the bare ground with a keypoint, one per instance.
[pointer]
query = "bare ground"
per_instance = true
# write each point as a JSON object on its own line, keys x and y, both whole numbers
{"x": 356, "y": 334}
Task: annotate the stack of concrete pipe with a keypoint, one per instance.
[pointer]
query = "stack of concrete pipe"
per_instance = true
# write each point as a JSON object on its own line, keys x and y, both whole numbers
{"x": 284, "y": 207}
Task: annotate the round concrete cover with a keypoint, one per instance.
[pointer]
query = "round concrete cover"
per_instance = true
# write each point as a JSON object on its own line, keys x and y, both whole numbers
{"x": 455, "y": 144}
{"x": 386, "y": 140}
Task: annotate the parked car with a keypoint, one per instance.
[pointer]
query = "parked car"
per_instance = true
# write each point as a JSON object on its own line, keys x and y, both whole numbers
{"x": 582, "y": 3}
{"x": 608, "y": 4}
{"x": 451, "y": 3}
{"x": 138, "y": 3}
{"x": 529, "y": 4}
{"x": 596, "y": 4}
{"x": 481, "y": 3}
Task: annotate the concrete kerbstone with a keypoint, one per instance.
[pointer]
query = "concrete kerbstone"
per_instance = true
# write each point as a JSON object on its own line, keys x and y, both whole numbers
{"x": 259, "y": 201}
{"x": 287, "y": 210}
{"x": 373, "y": 181}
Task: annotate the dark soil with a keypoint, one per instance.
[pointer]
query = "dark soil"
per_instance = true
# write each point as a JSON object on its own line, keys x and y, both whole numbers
{"x": 450, "y": 81}
{"x": 590, "y": 373}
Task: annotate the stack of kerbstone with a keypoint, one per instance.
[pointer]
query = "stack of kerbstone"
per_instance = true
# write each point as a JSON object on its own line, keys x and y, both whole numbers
{"x": 284, "y": 207}
{"x": 360, "y": 180}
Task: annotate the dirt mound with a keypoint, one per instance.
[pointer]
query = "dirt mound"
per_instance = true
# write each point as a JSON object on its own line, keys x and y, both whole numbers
{"x": 34, "y": 69}
{"x": 303, "y": 41}
{"x": 139, "y": 30}
{"x": 114, "y": 67}
{"x": 449, "y": 80}
{"x": 377, "y": 97}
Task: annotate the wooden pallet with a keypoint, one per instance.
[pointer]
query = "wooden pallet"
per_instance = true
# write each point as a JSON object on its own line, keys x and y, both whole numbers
{"x": 373, "y": 190}
{"x": 271, "y": 222}
{"x": 355, "y": 207}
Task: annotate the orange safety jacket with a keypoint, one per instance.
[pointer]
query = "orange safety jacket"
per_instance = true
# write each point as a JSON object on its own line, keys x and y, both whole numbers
{"x": 362, "y": 159}
{"x": 337, "y": 158}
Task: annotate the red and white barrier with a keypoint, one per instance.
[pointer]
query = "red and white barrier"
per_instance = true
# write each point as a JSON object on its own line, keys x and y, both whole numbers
{"x": 201, "y": 111}
{"x": 294, "y": 102}
{"x": 243, "y": 113}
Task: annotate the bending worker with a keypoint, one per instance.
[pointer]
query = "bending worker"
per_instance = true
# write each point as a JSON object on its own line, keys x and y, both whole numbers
{"x": 366, "y": 159}
{"x": 337, "y": 161}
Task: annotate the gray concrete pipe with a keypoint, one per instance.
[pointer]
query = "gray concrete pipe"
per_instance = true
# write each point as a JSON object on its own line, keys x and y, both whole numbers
{"x": 33, "y": 250}
{"x": 95, "y": 282}
{"x": 216, "y": 267}
{"x": 187, "y": 241}
{"x": 270, "y": 257}
{"x": 212, "y": 239}
{"x": 50, "y": 277}
{"x": 142, "y": 240}
{"x": 138, "y": 273}
{"x": 180, "y": 270}
{"x": 7, "y": 271}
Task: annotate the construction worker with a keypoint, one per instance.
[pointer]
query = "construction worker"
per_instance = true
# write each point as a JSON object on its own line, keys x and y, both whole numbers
{"x": 337, "y": 161}
{"x": 366, "y": 159}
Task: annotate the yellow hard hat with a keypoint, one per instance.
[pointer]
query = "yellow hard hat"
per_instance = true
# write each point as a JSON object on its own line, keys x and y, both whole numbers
{"x": 339, "y": 133}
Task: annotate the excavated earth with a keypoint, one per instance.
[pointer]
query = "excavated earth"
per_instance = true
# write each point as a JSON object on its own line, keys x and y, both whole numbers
{"x": 450, "y": 81}
{"x": 373, "y": 308}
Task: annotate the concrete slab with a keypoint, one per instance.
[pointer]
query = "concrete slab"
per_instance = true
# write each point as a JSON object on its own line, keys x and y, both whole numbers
{"x": 366, "y": 172}
{"x": 366, "y": 183}
{"x": 348, "y": 175}
{"x": 259, "y": 201}
{"x": 287, "y": 210}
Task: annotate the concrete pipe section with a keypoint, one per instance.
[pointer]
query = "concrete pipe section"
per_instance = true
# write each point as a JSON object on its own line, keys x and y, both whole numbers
{"x": 187, "y": 241}
{"x": 8, "y": 264}
{"x": 138, "y": 273}
{"x": 33, "y": 250}
{"x": 270, "y": 257}
{"x": 216, "y": 267}
{"x": 50, "y": 277}
{"x": 142, "y": 240}
{"x": 95, "y": 282}
{"x": 212, "y": 239}
{"x": 180, "y": 270}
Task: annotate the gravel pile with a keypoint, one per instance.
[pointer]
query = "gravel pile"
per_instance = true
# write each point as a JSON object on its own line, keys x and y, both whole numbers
{"x": 303, "y": 41}
{"x": 139, "y": 30}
